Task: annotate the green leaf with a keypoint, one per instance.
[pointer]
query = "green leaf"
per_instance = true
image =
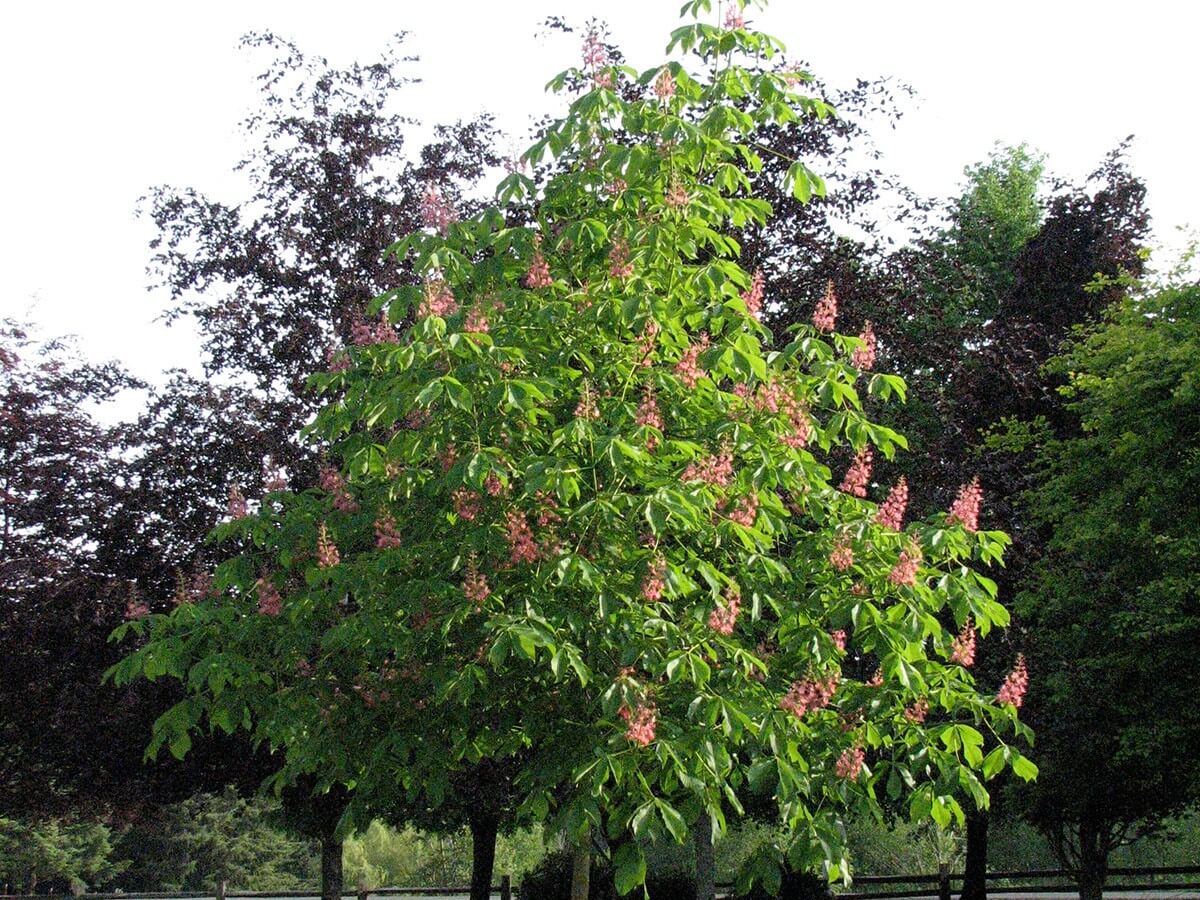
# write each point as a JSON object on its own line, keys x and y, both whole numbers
{"x": 629, "y": 867}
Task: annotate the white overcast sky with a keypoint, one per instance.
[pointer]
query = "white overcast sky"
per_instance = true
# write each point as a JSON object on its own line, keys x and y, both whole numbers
{"x": 103, "y": 100}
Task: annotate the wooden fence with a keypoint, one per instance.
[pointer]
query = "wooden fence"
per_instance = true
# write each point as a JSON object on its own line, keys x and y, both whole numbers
{"x": 945, "y": 886}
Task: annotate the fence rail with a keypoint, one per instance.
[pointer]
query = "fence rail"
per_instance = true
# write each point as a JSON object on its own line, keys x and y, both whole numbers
{"x": 940, "y": 885}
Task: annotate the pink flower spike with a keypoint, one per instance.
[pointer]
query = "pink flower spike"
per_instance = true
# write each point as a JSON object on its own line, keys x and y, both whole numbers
{"x": 904, "y": 573}
{"x": 438, "y": 300}
{"x": 436, "y": 211}
{"x": 1015, "y": 685}
{"x": 538, "y": 275}
{"x": 753, "y": 298}
{"x": 863, "y": 358}
{"x": 648, "y": 416}
{"x": 917, "y": 712}
{"x": 236, "y": 507}
{"x": 733, "y": 18}
{"x": 965, "y": 509}
{"x": 664, "y": 85}
{"x": 619, "y": 265}
{"x": 386, "y": 536}
{"x": 270, "y": 603}
{"x": 520, "y": 538}
{"x": 891, "y": 513}
{"x": 962, "y": 649}
{"x": 842, "y": 555}
{"x": 825, "y": 315}
{"x": 475, "y": 584}
{"x": 839, "y": 639}
{"x": 136, "y": 609}
{"x": 850, "y": 763}
{"x": 859, "y": 473}
{"x": 688, "y": 368}
{"x": 641, "y": 723}
{"x": 809, "y": 694}
{"x": 327, "y": 551}
{"x": 654, "y": 582}
{"x": 723, "y": 618}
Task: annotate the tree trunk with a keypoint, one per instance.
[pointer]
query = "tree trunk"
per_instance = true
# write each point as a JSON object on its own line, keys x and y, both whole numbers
{"x": 975, "y": 869}
{"x": 483, "y": 855}
{"x": 581, "y": 870}
{"x": 1093, "y": 862}
{"x": 331, "y": 867}
{"x": 706, "y": 868}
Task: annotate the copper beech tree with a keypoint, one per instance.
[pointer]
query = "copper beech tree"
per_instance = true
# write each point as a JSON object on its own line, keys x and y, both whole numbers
{"x": 586, "y": 512}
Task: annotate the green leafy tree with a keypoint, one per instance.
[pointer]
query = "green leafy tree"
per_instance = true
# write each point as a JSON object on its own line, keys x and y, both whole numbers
{"x": 583, "y": 512}
{"x": 53, "y": 856}
{"x": 1112, "y": 608}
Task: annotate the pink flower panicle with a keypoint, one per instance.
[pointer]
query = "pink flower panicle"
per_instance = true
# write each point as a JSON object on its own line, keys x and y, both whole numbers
{"x": 654, "y": 581}
{"x": 809, "y": 694}
{"x": 917, "y": 711}
{"x": 619, "y": 264}
{"x": 850, "y": 763}
{"x": 863, "y": 358}
{"x": 641, "y": 722}
{"x": 386, "y": 535}
{"x": 475, "y": 584}
{"x": 753, "y": 298}
{"x": 236, "y": 506}
{"x": 891, "y": 512}
{"x": 466, "y": 503}
{"x": 648, "y": 416}
{"x": 747, "y": 510}
{"x": 905, "y": 570}
{"x": 337, "y": 361}
{"x": 859, "y": 473}
{"x": 136, "y": 608}
{"x": 1015, "y": 684}
{"x": 648, "y": 343}
{"x": 724, "y": 617}
{"x": 664, "y": 85}
{"x": 438, "y": 300}
{"x": 436, "y": 211}
{"x": 962, "y": 649}
{"x": 334, "y": 484}
{"x": 733, "y": 18}
{"x": 839, "y": 639}
{"x": 876, "y": 679}
{"x": 538, "y": 275}
{"x": 476, "y": 321}
{"x": 586, "y": 407}
{"x": 825, "y": 315}
{"x": 595, "y": 54}
{"x": 676, "y": 196}
{"x": 965, "y": 509}
{"x": 842, "y": 555}
{"x": 274, "y": 478}
{"x": 688, "y": 368}
{"x": 520, "y": 538}
{"x": 715, "y": 470}
{"x": 493, "y": 485}
{"x": 327, "y": 551}
{"x": 270, "y": 603}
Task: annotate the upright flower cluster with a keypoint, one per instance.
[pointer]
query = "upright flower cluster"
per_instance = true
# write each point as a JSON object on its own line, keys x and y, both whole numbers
{"x": 327, "y": 551}
{"x": 619, "y": 265}
{"x": 850, "y": 763}
{"x": 523, "y": 547}
{"x": 962, "y": 649}
{"x": 965, "y": 509}
{"x": 825, "y": 315}
{"x": 688, "y": 368}
{"x": 839, "y": 639}
{"x": 386, "y": 536}
{"x": 904, "y": 573}
{"x": 648, "y": 416}
{"x": 809, "y": 694}
{"x": 891, "y": 512}
{"x": 641, "y": 723}
{"x": 477, "y": 320}
{"x": 438, "y": 300}
{"x": 733, "y": 18}
{"x": 859, "y": 473}
{"x": 676, "y": 196}
{"x": 1015, "y": 684}
{"x": 654, "y": 581}
{"x": 774, "y": 397}
{"x": 842, "y": 555}
{"x": 334, "y": 484}
{"x": 467, "y": 503}
{"x": 715, "y": 470}
{"x": 586, "y": 407}
{"x": 595, "y": 54}
{"x": 863, "y": 358}
{"x": 753, "y": 297}
{"x": 746, "y": 512}
{"x": 436, "y": 211}
{"x": 917, "y": 711}
{"x": 664, "y": 85}
{"x": 363, "y": 333}
{"x": 235, "y": 508}
{"x": 475, "y": 584}
{"x": 538, "y": 275}
{"x": 270, "y": 603}
{"x": 724, "y": 617}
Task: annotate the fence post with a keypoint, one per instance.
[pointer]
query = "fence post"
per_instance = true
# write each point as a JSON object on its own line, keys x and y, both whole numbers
{"x": 505, "y": 887}
{"x": 222, "y": 889}
{"x": 943, "y": 885}
{"x": 363, "y": 892}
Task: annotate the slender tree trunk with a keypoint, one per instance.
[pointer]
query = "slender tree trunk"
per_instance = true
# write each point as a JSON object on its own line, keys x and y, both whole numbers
{"x": 1093, "y": 863}
{"x": 581, "y": 870}
{"x": 706, "y": 868}
{"x": 331, "y": 867}
{"x": 483, "y": 855}
{"x": 975, "y": 869}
